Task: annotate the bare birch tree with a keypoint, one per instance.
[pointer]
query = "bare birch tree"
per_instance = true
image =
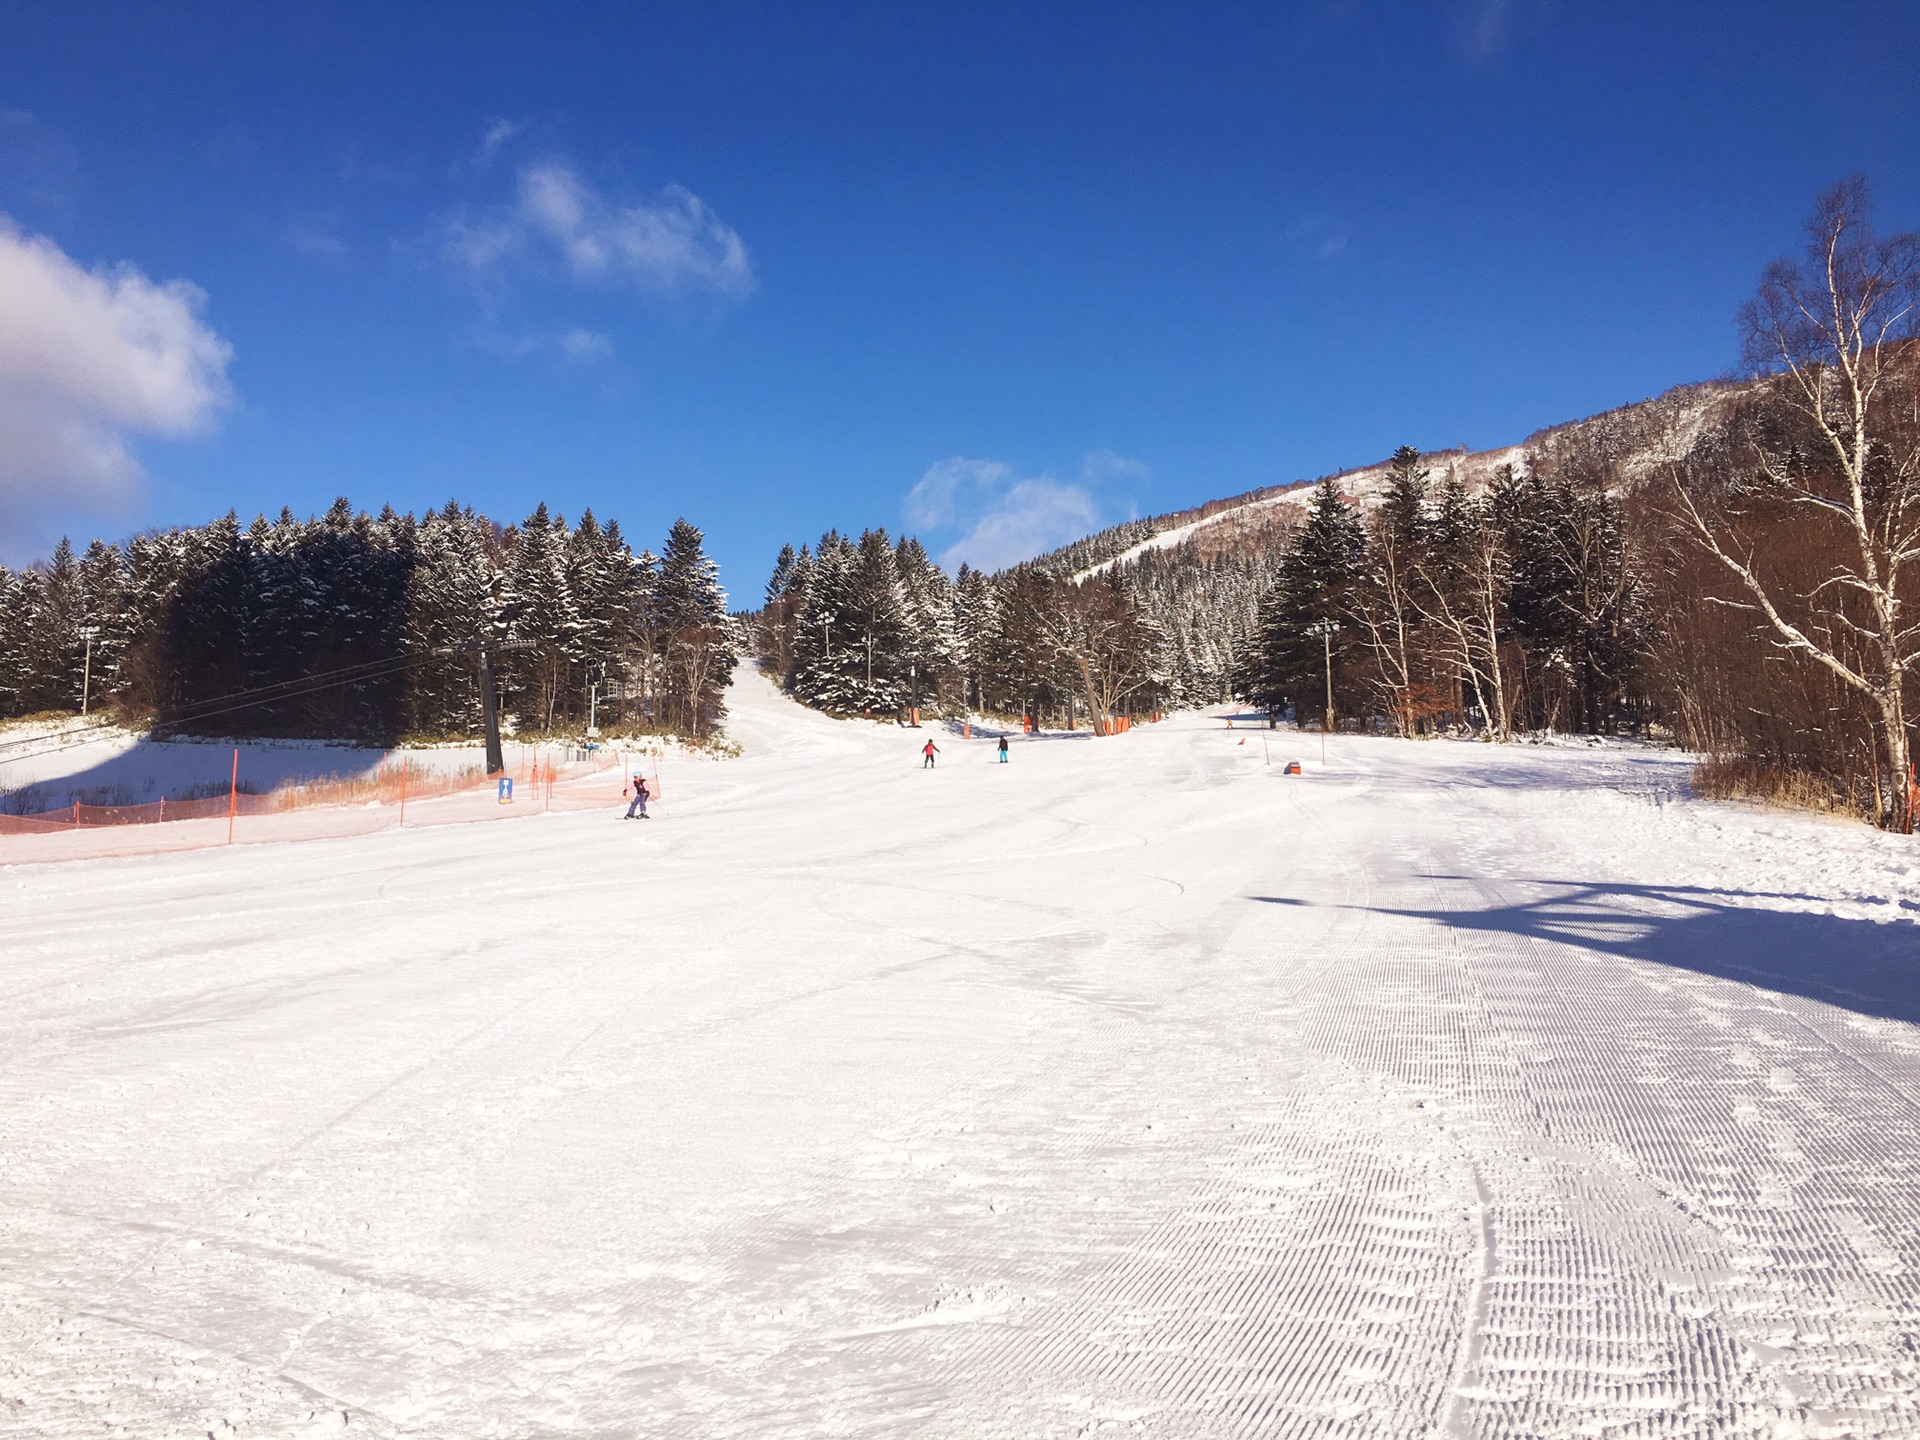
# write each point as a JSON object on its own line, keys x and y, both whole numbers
{"x": 1461, "y": 590}
{"x": 1097, "y": 628}
{"x": 1837, "y": 330}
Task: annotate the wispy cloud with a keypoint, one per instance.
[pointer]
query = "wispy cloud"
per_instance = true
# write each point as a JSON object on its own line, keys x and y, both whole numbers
{"x": 499, "y": 133}
{"x": 1484, "y": 26}
{"x": 91, "y": 359}
{"x": 578, "y": 345}
{"x": 1324, "y": 235}
{"x": 315, "y": 235}
{"x": 1004, "y": 517}
{"x": 559, "y": 224}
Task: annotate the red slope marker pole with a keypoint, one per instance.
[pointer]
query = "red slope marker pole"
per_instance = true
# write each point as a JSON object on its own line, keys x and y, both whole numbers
{"x": 233, "y": 793}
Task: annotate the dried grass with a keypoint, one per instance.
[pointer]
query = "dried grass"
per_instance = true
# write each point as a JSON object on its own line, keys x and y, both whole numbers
{"x": 1738, "y": 777}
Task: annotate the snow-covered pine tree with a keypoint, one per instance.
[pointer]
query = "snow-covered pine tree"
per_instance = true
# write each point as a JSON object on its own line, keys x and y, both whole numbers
{"x": 544, "y": 619}
{"x": 975, "y": 622}
{"x": 814, "y": 677}
{"x": 590, "y": 580}
{"x": 16, "y": 608}
{"x": 929, "y": 646}
{"x": 643, "y": 684}
{"x": 697, "y": 635}
{"x": 453, "y": 603}
{"x": 53, "y": 643}
{"x": 1305, "y": 616}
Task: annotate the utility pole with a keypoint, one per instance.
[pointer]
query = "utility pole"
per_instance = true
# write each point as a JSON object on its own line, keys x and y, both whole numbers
{"x": 1327, "y": 627}
{"x": 490, "y": 711}
{"x": 89, "y": 632}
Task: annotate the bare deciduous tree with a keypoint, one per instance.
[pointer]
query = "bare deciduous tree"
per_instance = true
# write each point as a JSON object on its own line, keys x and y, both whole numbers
{"x": 1097, "y": 628}
{"x": 1837, "y": 328}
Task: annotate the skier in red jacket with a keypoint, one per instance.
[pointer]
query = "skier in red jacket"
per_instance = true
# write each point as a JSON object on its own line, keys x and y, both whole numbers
{"x": 929, "y": 750}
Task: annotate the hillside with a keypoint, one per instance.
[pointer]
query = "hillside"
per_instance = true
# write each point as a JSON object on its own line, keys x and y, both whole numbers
{"x": 1636, "y": 440}
{"x": 1201, "y": 573}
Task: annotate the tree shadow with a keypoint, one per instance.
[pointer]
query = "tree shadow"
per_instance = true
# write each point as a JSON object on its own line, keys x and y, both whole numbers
{"x": 1868, "y": 967}
{"x": 150, "y": 770}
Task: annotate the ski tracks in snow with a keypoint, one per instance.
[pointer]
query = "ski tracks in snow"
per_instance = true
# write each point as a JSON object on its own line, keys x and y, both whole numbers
{"x": 1129, "y": 1088}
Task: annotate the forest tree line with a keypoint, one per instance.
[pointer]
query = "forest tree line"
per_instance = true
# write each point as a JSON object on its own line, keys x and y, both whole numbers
{"x": 1752, "y": 596}
{"x": 194, "y": 622}
{"x": 873, "y": 627}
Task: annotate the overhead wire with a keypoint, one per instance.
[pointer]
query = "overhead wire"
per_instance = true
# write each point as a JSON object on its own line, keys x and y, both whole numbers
{"x": 248, "y": 699}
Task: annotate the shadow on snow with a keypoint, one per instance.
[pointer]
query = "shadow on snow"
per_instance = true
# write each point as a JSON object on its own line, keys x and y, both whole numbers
{"x": 1869, "y": 967}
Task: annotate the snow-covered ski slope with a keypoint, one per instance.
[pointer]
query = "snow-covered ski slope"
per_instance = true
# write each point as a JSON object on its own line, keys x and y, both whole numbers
{"x": 1128, "y": 1088}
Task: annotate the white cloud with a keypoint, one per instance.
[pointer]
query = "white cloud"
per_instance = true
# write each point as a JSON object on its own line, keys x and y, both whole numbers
{"x": 557, "y": 220}
{"x": 1028, "y": 519}
{"x": 90, "y": 359}
{"x": 586, "y": 345}
{"x": 315, "y": 236}
{"x": 948, "y": 484}
{"x": 498, "y": 134}
{"x": 1006, "y": 518}
{"x": 1101, "y": 466}
{"x": 577, "y": 345}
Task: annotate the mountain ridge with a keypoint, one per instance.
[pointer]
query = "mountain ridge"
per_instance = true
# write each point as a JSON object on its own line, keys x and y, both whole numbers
{"x": 1636, "y": 439}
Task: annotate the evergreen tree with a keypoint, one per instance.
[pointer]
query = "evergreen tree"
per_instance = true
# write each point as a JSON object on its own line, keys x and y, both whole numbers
{"x": 854, "y": 632}
{"x": 1403, "y": 508}
{"x": 544, "y": 619}
{"x": 975, "y": 620}
{"x": 929, "y": 646}
{"x": 1305, "y": 618}
{"x": 696, "y": 633}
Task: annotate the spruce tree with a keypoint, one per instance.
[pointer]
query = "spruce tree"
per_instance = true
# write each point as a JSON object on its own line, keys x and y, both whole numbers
{"x": 695, "y": 630}
{"x": 975, "y": 620}
{"x": 1305, "y": 617}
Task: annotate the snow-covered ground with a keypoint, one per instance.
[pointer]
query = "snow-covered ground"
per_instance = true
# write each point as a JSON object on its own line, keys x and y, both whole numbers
{"x": 123, "y": 767}
{"x": 1131, "y": 1087}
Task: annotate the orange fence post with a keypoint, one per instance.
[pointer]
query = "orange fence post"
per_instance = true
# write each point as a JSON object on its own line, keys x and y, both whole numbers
{"x": 403, "y": 795}
{"x": 233, "y": 793}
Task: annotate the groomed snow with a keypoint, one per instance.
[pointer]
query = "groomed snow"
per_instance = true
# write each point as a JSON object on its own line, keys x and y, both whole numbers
{"x": 1131, "y": 1088}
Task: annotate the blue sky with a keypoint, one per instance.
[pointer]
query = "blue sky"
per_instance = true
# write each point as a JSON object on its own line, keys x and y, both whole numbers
{"x": 1003, "y": 273}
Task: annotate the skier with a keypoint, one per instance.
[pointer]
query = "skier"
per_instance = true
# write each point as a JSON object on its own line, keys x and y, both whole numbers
{"x": 929, "y": 750}
{"x": 1003, "y": 749}
{"x": 639, "y": 797}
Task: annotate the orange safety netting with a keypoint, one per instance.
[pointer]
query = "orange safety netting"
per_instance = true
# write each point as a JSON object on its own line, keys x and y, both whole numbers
{"x": 398, "y": 793}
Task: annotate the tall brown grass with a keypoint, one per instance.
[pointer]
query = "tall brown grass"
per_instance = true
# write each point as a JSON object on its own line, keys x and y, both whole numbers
{"x": 1739, "y": 777}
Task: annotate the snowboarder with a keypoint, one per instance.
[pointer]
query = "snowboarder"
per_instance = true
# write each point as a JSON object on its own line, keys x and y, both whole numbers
{"x": 1003, "y": 749}
{"x": 929, "y": 750}
{"x": 640, "y": 793}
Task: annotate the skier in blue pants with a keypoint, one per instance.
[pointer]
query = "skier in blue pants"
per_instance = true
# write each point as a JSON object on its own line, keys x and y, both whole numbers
{"x": 639, "y": 797}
